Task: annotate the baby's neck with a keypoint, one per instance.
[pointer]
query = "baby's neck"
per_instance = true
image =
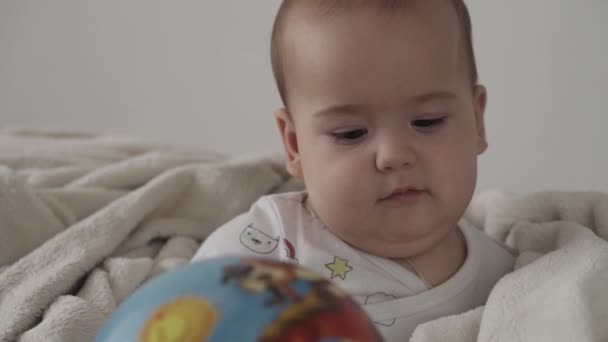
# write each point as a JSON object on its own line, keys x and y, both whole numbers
{"x": 441, "y": 262}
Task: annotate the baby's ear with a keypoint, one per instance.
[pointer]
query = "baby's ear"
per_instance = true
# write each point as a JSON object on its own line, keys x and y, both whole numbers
{"x": 480, "y": 98}
{"x": 290, "y": 142}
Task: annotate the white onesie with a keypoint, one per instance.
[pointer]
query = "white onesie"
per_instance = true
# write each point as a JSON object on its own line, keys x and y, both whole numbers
{"x": 284, "y": 227}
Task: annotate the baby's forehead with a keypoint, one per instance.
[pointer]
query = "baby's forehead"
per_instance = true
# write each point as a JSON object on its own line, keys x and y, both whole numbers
{"x": 330, "y": 7}
{"x": 326, "y": 9}
{"x": 298, "y": 19}
{"x": 295, "y": 11}
{"x": 298, "y": 15}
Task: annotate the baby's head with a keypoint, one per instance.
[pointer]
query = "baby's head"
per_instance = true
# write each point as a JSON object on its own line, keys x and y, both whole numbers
{"x": 381, "y": 99}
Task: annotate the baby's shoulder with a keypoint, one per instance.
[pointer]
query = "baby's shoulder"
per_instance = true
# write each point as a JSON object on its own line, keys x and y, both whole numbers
{"x": 287, "y": 200}
{"x": 492, "y": 257}
{"x": 477, "y": 238}
{"x": 268, "y": 223}
{"x": 289, "y": 207}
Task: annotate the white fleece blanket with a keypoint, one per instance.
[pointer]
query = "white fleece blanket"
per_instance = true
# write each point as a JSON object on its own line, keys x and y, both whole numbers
{"x": 86, "y": 219}
{"x": 559, "y": 288}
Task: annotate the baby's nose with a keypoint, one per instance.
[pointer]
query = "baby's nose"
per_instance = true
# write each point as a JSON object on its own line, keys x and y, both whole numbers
{"x": 395, "y": 154}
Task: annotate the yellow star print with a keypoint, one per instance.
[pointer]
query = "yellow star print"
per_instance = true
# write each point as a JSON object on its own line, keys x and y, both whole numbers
{"x": 339, "y": 268}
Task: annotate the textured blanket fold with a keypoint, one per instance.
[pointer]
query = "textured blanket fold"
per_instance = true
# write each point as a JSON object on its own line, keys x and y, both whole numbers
{"x": 86, "y": 219}
{"x": 558, "y": 289}
{"x": 80, "y": 231}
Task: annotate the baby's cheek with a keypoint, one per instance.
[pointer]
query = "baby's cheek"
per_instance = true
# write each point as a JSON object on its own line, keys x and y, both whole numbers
{"x": 455, "y": 183}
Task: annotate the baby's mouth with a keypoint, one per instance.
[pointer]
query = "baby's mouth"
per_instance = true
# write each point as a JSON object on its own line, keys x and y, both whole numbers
{"x": 404, "y": 193}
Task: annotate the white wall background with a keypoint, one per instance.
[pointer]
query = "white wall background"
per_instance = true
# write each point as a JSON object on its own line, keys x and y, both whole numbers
{"x": 198, "y": 73}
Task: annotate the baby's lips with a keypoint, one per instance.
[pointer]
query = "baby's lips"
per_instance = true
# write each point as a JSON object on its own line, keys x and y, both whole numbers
{"x": 402, "y": 190}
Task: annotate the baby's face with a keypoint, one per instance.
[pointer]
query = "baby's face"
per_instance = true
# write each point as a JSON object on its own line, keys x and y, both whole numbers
{"x": 382, "y": 104}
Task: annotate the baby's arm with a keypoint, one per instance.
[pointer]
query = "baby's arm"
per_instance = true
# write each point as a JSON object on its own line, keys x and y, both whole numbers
{"x": 254, "y": 233}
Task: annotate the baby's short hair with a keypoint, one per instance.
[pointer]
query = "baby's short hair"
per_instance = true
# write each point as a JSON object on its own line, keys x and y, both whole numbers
{"x": 329, "y": 7}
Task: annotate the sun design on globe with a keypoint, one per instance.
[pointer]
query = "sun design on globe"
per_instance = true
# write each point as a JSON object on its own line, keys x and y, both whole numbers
{"x": 185, "y": 319}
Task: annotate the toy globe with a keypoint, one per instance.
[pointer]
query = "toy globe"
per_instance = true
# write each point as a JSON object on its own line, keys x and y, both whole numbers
{"x": 238, "y": 299}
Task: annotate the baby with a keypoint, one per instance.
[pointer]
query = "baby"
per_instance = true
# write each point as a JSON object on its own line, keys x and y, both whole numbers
{"x": 383, "y": 119}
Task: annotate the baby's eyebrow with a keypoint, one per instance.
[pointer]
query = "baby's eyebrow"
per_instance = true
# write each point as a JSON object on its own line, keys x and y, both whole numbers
{"x": 342, "y": 109}
{"x": 433, "y": 96}
{"x": 360, "y": 109}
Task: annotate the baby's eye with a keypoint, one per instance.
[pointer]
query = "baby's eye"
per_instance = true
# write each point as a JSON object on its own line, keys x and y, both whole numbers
{"x": 349, "y": 136}
{"x": 427, "y": 123}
